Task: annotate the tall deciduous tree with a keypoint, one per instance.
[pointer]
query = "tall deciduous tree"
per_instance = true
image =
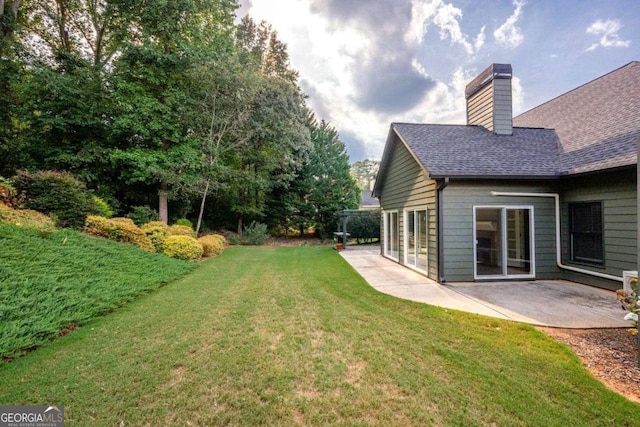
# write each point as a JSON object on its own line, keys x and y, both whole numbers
{"x": 155, "y": 89}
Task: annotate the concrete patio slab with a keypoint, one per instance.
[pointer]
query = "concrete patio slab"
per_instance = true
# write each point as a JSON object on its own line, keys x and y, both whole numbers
{"x": 554, "y": 303}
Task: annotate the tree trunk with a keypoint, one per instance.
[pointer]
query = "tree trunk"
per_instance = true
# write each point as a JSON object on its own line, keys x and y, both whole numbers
{"x": 163, "y": 206}
{"x": 240, "y": 224}
{"x": 204, "y": 199}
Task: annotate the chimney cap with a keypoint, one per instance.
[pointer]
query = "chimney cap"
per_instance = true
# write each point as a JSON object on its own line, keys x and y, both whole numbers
{"x": 493, "y": 72}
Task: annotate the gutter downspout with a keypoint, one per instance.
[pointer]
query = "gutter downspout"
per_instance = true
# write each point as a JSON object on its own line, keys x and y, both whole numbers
{"x": 556, "y": 196}
{"x": 440, "y": 199}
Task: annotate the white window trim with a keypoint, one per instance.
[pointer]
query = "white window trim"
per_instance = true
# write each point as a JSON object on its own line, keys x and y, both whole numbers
{"x": 386, "y": 250}
{"x": 503, "y": 209}
{"x": 405, "y": 240}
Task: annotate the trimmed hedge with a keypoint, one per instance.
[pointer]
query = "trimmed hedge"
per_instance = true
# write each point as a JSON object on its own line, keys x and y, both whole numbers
{"x": 57, "y": 194}
{"x": 158, "y": 232}
{"x": 181, "y": 230}
{"x": 27, "y": 218}
{"x": 182, "y": 247}
{"x": 212, "y": 244}
{"x": 118, "y": 229}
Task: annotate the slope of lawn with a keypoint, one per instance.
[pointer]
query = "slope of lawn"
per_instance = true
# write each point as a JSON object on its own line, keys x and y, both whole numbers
{"x": 55, "y": 283}
{"x": 293, "y": 336}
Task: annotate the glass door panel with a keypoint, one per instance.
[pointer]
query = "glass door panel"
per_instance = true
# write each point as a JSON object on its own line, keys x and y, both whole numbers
{"x": 421, "y": 240}
{"x": 489, "y": 242}
{"x": 518, "y": 242}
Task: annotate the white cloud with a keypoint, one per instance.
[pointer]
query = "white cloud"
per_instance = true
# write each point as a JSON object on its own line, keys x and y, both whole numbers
{"x": 508, "y": 34}
{"x": 446, "y": 17}
{"x": 608, "y": 30}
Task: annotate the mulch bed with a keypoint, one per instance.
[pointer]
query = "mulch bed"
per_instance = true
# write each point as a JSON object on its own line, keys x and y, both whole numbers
{"x": 611, "y": 355}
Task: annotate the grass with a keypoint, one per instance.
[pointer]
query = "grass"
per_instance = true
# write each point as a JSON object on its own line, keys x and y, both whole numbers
{"x": 286, "y": 336}
{"x": 51, "y": 284}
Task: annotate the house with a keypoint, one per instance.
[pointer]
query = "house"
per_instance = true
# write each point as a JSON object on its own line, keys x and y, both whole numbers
{"x": 550, "y": 194}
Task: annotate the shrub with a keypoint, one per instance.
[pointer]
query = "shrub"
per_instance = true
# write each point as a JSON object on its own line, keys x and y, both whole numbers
{"x": 255, "y": 234}
{"x": 142, "y": 215}
{"x": 157, "y": 232}
{"x": 212, "y": 244}
{"x": 102, "y": 207}
{"x": 181, "y": 230}
{"x": 184, "y": 221}
{"x": 8, "y": 194}
{"x": 58, "y": 194}
{"x": 182, "y": 247}
{"x": 120, "y": 230}
{"x": 27, "y": 218}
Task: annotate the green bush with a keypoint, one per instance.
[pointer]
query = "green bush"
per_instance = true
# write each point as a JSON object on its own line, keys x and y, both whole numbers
{"x": 182, "y": 247}
{"x": 185, "y": 222}
{"x": 212, "y": 244}
{"x": 57, "y": 194}
{"x": 8, "y": 194}
{"x": 255, "y": 234}
{"x": 157, "y": 232}
{"x": 27, "y": 218}
{"x": 181, "y": 230}
{"x": 142, "y": 215}
{"x": 118, "y": 229}
{"x": 102, "y": 207}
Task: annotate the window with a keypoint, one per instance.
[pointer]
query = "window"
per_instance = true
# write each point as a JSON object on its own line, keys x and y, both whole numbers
{"x": 585, "y": 223}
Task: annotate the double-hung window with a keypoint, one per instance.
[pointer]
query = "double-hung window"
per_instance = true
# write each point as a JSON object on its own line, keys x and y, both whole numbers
{"x": 585, "y": 224}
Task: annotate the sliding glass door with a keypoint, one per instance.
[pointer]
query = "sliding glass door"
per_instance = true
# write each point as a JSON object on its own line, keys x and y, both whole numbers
{"x": 415, "y": 239}
{"x": 504, "y": 242}
{"x": 391, "y": 235}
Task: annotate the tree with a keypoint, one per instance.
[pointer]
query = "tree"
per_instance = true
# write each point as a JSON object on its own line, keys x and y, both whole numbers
{"x": 326, "y": 179}
{"x": 156, "y": 91}
{"x": 280, "y": 143}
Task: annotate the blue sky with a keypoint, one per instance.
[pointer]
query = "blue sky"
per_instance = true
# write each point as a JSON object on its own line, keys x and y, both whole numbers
{"x": 365, "y": 64}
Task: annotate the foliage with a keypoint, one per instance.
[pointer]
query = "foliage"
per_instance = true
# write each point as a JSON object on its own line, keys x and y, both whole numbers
{"x": 8, "y": 196}
{"x": 157, "y": 232}
{"x": 49, "y": 286}
{"x": 182, "y": 247}
{"x": 364, "y": 226}
{"x": 288, "y": 336}
{"x": 212, "y": 244}
{"x": 255, "y": 234}
{"x": 142, "y": 215}
{"x": 119, "y": 230}
{"x": 58, "y": 194}
{"x": 102, "y": 208}
{"x": 364, "y": 172}
{"x": 180, "y": 230}
{"x": 185, "y": 222}
{"x": 629, "y": 301}
{"x": 27, "y": 218}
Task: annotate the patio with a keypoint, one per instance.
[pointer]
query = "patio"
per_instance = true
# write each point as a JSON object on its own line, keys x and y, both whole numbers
{"x": 554, "y": 303}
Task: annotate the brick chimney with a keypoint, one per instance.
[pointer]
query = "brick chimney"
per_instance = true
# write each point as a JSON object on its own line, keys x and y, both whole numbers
{"x": 489, "y": 100}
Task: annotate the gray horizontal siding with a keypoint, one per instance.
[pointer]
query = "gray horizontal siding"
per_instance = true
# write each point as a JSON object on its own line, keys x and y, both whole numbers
{"x": 618, "y": 193}
{"x": 460, "y": 197}
{"x": 406, "y": 187}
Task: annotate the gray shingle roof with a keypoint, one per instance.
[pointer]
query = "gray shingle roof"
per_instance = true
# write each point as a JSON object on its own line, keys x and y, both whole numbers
{"x": 598, "y": 124}
{"x": 472, "y": 151}
{"x": 367, "y": 200}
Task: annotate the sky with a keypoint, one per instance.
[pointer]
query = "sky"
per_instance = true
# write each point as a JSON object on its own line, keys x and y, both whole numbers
{"x": 367, "y": 63}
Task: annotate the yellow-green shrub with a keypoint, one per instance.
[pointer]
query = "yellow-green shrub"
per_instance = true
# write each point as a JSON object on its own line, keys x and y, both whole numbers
{"x": 118, "y": 229}
{"x": 27, "y": 218}
{"x": 182, "y": 247}
{"x": 212, "y": 244}
{"x": 181, "y": 230}
{"x": 157, "y": 232}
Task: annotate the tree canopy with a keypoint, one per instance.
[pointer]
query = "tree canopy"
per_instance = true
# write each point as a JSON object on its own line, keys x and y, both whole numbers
{"x": 170, "y": 105}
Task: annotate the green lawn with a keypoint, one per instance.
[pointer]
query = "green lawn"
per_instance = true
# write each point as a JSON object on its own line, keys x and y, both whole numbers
{"x": 54, "y": 283}
{"x": 286, "y": 336}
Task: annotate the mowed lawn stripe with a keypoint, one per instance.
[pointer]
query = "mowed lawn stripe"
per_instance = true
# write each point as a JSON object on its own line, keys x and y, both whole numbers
{"x": 282, "y": 336}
